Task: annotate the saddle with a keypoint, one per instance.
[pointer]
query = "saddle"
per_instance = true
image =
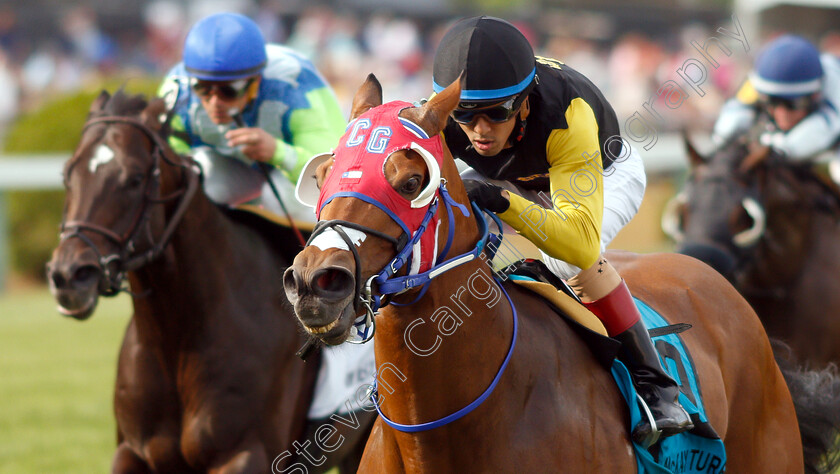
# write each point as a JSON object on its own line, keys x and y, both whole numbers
{"x": 535, "y": 276}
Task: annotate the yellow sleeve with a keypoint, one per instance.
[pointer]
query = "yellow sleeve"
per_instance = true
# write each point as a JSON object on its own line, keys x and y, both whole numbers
{"x": 570, "y": 230}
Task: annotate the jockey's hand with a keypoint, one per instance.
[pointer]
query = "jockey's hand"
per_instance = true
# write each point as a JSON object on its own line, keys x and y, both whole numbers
{"x": 256, "y": 143}
{"x": 776, "y": 142}
{"x": 772, "y": 139}
{"x": 487, "y": 196}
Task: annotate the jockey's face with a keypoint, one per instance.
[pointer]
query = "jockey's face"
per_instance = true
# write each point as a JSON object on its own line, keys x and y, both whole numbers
{"x": 787, "y": 113}
{"x": 222, "y": 99}
{"x": 786, "y": 118}
{"x": 490, "y": 137}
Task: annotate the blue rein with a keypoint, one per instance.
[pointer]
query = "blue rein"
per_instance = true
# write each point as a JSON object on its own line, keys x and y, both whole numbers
{"x": 388, "y": 284}
{"x": 467, "y": 409}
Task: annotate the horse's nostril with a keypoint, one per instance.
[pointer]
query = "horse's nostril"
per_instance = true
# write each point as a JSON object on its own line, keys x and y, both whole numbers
{"x": 333, "y": 283}
{"x": 85, "y": 273}
{"x": 58, "y": 279}
{"x": 291, "y": 280}
{"x": 326, "y": 279}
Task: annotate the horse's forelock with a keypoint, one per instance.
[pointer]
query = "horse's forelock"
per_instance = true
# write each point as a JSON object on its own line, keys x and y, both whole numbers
{"x": 123, "y": 104}
{"x": 119, "y": 104}
{"x": 728, "y": 157}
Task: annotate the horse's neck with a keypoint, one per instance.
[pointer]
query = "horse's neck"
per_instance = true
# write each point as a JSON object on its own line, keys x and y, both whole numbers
{"x": 205, "y": 256}
{"x": 791, "y": 232}
{"x": 447, "y": 347}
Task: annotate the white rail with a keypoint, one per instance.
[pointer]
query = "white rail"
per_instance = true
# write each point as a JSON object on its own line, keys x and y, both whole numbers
{"x": 31, "y": 172}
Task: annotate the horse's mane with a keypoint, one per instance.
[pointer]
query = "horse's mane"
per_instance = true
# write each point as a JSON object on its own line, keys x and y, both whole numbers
{"x": 731, "y": 152}
{"x": 281, "y": 239}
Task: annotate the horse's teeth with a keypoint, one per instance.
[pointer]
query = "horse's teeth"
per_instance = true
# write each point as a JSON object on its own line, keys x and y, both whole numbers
{"x": 322, "y": 329}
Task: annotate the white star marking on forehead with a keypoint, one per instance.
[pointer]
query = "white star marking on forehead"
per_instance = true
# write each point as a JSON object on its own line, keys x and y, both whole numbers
{"x": 103, "y": 155}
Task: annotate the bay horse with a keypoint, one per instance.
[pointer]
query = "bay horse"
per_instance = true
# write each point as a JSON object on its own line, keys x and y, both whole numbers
{"x": 772, "y": 226}
{"x": 449, "y": 341}
{"x": 207, "y": 378}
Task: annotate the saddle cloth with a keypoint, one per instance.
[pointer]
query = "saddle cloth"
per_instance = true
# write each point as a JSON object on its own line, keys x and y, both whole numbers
{"x": 698, "y": 451}
{"x": 344, "y": 369}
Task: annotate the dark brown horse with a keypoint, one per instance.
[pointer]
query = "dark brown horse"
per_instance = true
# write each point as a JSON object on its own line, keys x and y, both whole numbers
{"x": 207, "y": 379}
{"x": 773, "y": 228}
{"x": 554, "y": 409}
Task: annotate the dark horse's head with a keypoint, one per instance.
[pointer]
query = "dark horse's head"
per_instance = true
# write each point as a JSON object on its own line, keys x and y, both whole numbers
{"x": 730, "y": 202}
{"x": 118, "y": 175}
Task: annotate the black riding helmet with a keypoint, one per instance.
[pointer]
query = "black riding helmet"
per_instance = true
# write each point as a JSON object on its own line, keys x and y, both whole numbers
{"x": 498, "y": 61}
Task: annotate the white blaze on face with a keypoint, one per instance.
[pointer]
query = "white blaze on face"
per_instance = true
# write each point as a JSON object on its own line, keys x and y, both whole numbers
{"x": 103, "y": 155}
{"x": 329, "y": 239}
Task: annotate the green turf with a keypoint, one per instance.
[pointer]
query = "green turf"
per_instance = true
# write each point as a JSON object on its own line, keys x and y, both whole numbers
{"x": 56, "y": 384}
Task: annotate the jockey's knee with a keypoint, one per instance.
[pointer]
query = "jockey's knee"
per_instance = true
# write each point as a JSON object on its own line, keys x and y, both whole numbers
{"x": 595, "y": 282}
{"x": 227, "y": 180}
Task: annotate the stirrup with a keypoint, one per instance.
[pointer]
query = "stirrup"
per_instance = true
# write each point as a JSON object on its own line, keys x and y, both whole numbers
{"x": 655, "y": 432}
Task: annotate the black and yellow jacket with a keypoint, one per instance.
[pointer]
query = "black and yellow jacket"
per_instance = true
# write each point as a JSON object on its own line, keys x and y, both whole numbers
{"x": 561, "y": 153}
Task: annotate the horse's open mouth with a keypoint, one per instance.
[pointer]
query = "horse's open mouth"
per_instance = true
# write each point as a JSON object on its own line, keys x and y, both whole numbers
{"x": 79, "y": 313}
{"x": 319, "y": 330}
{"x": 336, "y": 331}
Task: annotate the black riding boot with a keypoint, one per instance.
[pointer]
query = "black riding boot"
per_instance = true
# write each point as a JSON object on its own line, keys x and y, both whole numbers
{"x": 658, "y": 390}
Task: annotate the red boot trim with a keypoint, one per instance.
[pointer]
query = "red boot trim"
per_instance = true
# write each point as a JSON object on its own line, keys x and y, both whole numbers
{"x": 616, "y": 310}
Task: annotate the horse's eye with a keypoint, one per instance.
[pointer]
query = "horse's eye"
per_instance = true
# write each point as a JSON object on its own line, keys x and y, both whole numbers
{"x": 135, "y": 180}
{"x": 411, "y": 185}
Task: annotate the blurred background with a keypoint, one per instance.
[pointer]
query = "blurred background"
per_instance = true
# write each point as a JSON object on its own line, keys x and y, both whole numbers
{"x": 56, "y": 375}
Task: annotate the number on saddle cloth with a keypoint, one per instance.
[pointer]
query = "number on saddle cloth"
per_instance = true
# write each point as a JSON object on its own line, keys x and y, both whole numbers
{"x": 697, "y": 451}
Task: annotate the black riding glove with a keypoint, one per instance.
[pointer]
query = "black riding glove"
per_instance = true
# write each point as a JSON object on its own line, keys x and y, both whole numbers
{"x": 486, "y": 196}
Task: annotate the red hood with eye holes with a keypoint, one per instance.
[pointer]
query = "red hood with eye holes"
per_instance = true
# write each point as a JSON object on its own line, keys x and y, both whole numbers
{"x": 358, "y": 171}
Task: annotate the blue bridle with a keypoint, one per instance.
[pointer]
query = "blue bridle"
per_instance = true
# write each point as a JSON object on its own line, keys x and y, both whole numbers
{"x": 388, "y": 284}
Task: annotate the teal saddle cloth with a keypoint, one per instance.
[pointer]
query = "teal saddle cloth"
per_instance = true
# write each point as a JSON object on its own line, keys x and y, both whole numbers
{"x": 698, "y": 451}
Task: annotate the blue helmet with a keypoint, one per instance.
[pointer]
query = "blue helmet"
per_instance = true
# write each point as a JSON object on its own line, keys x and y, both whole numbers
{"x": 788, "y": 67}
{"x": 224, "y": 47}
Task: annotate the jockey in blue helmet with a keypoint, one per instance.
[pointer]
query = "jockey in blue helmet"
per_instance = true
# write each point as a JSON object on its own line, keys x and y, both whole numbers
{"x": 238, "y": 101}
{"x": 797, "y": 91}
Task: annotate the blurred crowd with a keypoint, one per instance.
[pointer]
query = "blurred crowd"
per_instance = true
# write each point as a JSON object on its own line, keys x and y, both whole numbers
{"x": 629, "y": 67}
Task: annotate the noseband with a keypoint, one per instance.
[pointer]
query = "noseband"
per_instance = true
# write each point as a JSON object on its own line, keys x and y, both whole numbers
{"x": 114, "y": 265}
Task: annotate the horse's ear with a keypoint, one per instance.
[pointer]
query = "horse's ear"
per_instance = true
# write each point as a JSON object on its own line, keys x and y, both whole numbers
{"x": 154, "y": 114}
{"x": 695, "y": 159}
{"x": 99, "y": 102}
{"x": 432, "y": 115}
{"x": 367, "y": 97}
